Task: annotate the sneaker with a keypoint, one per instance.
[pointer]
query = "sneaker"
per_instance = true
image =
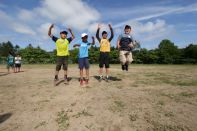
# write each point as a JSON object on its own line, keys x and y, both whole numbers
{"x": 123, "y": 67}
{"x": 100, "y": 79}
{"x": 107, "y": 79}
{"x": 65, "y": 81}
{"x": 55, "y": 81}
{"x": 86, "y": 81}
{"x": 81, "y": 82}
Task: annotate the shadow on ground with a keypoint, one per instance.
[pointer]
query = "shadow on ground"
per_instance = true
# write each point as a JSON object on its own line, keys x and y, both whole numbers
{"x": 4, "y": 117}
{"x": 111, "y": 78}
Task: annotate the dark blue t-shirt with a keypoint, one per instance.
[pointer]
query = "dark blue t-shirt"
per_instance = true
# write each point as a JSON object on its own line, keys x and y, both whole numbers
{"x": 125, "y": 40}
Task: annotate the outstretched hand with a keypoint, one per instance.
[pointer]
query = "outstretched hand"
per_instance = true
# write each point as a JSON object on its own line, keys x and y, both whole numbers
{"x": 69, "y": 29}
{"x": 52, "y": 25}
{"x": 110, "y": 26}
{"x": 99, "y": 26}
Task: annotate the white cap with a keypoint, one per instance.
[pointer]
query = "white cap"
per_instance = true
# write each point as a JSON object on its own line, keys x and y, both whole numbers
{"x": 83, "y": 35}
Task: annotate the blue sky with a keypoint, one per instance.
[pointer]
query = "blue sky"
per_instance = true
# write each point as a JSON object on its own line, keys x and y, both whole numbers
{"x": 27, "y": 21}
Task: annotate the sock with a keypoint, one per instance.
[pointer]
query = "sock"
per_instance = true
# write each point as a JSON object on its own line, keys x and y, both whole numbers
{"x": 126, "y": 67}
{"x": 107, "y": 76}
{"x": 123, "y": 67}
{"x": 65, "y": 76}
{"x": 56, "y": 76}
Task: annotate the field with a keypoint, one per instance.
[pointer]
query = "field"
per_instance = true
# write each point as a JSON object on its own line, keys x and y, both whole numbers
{"x": 147, "y": 98}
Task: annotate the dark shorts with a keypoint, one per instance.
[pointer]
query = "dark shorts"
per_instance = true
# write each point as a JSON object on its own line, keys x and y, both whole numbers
{"x": 83, "y": 63}
{"x": 61, "y": 60}
{"x": 18, "y": 65}
{"x": 104, "y": 59}
{"x": 10, "y": 65}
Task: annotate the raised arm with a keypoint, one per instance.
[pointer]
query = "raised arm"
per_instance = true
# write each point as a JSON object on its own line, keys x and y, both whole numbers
{"x": 93, "y": 40}
{"x": 97, "y": 33}
{"x": 118, "y": 44}
{"x": 72, "y": 34}
{"x": 112, "y": 32}
{"x": 49, "y": 32}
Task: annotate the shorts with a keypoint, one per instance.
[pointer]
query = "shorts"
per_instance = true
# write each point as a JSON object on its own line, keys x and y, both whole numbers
{"x": 61, "y": 60}
{"x": 104, "y": 59}
{"x": 10, "y": 65}
{"x": 18, "y": 65}
{"x": 83, "y": 63}
{"x": 125, "y": 57}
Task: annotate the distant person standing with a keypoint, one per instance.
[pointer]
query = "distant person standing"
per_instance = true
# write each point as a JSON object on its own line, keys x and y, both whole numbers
{"x": 104, "y": 59}
{"x": 10, "y": 62}
{"x": 62, "y": 46}
{"x": 125, "y": 44}
{"x": 17, "y": 63}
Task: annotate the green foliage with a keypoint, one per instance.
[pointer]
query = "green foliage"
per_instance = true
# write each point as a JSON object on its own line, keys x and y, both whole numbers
{"x": 166, "y": 53}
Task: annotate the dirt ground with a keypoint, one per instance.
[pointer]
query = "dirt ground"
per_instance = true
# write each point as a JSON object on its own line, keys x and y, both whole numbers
{"x": 146, "y": 98}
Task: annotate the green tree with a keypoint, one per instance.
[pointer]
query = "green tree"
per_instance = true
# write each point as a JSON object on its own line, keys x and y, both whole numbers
{"x": 167, "y": 52}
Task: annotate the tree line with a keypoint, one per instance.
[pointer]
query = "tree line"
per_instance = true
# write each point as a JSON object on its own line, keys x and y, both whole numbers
{"x": 166, "y": 53}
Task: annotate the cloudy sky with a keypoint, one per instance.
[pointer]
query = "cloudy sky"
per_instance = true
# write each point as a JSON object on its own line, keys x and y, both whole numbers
{"x": 27, "y": 21}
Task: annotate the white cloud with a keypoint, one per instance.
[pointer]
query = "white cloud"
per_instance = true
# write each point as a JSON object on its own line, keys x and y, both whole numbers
{"x": 151, "y": 30}
{"x": 75, "y": 14}
{"x": 12, "y": 24}
{"x": 157, "y": 11}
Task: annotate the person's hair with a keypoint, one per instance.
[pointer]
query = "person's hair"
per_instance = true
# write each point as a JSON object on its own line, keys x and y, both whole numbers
{"x": 64, "y": 32}
{"x": 127, "y": 27}
{"x": 104, "y": 32}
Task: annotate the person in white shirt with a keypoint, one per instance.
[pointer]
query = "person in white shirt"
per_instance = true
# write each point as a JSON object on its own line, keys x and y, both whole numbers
{"x": 17, "y": 63}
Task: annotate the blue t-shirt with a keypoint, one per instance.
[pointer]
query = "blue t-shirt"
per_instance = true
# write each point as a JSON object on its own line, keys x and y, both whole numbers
{"x": 10, "y": 59}
{"x": 83, "y": 49}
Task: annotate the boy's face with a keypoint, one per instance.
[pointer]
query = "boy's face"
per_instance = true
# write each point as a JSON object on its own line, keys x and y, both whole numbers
{"x": 85, "y": 38}
{"x": 63, "y": 36}
{"x": 127, "y": 31}
{"x": 104, "y": 36}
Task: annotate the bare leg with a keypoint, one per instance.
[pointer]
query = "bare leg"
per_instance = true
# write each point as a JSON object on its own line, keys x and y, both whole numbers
{"x": 56, "y": 74}
{"x": 100, "y": 71}
{"x": 81, "y": 74}
{"x": 107, "y": 71}
{"x": 65, "y": 73}
{"x": 87, "y": 73}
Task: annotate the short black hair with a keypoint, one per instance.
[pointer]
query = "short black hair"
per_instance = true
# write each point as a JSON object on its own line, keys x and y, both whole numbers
{"x": 104, "y": 32}
{"x": 127, "y": 27}
{"x": 64, "y": 32}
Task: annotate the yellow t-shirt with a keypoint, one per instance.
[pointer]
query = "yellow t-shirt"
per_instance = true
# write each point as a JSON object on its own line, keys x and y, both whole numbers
{"x": 62, "y": 47}
{"x": 104, "y": 45}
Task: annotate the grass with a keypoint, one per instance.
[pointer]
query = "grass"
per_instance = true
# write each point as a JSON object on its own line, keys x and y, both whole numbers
{"x": 82, "y": 113}
{"x": 118, "y": 106}
{"x": 169, "y": 114}
{"x": 133, "y": 117}
{"x": 62, "y": 120}
{"x": 160, "y": 103}
{"x": 43, "y": 123}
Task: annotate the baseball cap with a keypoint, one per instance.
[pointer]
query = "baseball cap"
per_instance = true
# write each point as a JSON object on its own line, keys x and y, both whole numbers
{"x": 83, "y": 35}
{"x": 64, "y": 32}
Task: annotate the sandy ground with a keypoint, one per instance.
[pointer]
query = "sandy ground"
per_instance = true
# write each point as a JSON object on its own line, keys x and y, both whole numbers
{"x": 147, "y": 98}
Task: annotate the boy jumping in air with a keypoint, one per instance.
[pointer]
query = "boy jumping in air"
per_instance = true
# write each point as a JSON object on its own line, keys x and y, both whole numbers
{"x": 83, "y": 57}
{"x": 62, "y": 44}
{"x": 104, "y": 51}
{"x": 125, "y": 44}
